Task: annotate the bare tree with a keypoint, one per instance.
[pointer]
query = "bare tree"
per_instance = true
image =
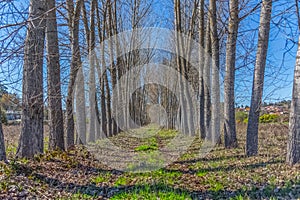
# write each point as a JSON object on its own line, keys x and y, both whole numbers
{"x": 293, "y": 147}
{"x": 56, "y": 125}
{"x": 92, "y": 84}
{"x": 73, "y": 17}
{"x": 258, "y": 79}
{"x": 229, "y": 83}
{"x": 215, "y": 91}
{"x": 31, "y": 139}
{"x": 201, "y": 68}
{"x": 206, "y": 82}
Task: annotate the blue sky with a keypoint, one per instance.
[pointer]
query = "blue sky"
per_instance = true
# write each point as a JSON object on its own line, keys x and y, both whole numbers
{"x": 279, "y": 71}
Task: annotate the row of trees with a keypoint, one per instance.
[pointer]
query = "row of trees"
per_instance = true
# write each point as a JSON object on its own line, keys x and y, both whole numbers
{"x": 215, "y": 27}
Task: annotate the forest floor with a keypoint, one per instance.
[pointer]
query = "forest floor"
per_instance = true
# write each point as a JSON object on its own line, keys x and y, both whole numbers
{"x": 222, "y": 173}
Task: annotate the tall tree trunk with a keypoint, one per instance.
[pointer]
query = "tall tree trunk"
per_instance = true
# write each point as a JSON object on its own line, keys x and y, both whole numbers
{"x": 80, "y": 101}
{"x": 92, "y": 83}
{"x": 181, "y": 66}
{"x": 32, "y": 138}
{"x": 100, "y": 70}
{"x": 56, "y": 125}
{"x": 215, "y": 91}
{"x": 108, "y": 103}
{"x": 2, "y": 143}
{"x": 293, "y": 145}
{"x": 201, "y": 68}
{"x": 113, "y": 70}
{"x": 120, "y": 62}
{"x": 229, "y": 83}
{"x": 80, "y": 104}
{"x": 206, "y": 82}
{"x": 258, "y": 79}
{"x": 293, "y": 148}
{"x": 73, "y": 15}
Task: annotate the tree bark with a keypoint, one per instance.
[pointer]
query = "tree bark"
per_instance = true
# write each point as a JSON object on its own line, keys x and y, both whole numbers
{"x": 293, "y": 145}
{"x": 32, "y": 138}
{"x": 258, "y": 78}
{"x": 201, "y": 68}
{"x": 2, "y": 143}
{"x": 80, "y": 113}
{"x": 181, "y": 67}
{"x": 215, "y": 92}
{"x": 113, "y": 70}
{"x": 56, "y": 125}
{"x": 293, "y": 148}
{"x": 100, "y": 70}
{"x": 73, "y": 15}
{"x": 206, "y": 82}
{"x": 92, "y": 83}
{"x": 229, "y": 83}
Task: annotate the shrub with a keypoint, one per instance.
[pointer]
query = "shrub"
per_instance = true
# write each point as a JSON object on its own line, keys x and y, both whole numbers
{"x": 3, "y": 117}
{"x": 241, "y": 117}
{"x": 268, "y": 118}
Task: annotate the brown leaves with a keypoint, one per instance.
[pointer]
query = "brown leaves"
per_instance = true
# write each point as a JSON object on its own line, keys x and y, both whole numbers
{"x": 221, "y": 174}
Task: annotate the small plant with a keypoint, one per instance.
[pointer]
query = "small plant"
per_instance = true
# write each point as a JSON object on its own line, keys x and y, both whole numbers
{"x": 217, "y": 186}
{"x": 202, "y": 173}
{"x": 238, "y": 197}
{"x": 4, "y": 186}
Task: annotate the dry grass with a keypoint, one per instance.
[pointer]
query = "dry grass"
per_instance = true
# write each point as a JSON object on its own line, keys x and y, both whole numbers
{"x": 221, "y": 174}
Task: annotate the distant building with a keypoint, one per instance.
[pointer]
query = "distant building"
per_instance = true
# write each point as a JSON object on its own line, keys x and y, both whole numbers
{"x": 13, "y": 115}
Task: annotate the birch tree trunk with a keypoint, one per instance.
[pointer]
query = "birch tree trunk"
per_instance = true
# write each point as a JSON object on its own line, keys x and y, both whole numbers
{"x": 56, "y": 125}
{"x": 229, "y": 83}
{"x": 31, "y": 139}
{"x": 258, "y": 79}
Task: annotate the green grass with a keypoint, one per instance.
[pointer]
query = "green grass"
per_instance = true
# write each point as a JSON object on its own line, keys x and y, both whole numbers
{"x": 79, "y": 196}
{"x": 103, "y": 177}
{"x": 202, "y": 173}
{"x": 151, "y": 145}
{"x": 122, "y": 181}
{"x": 152, "y": 192}
{"x": 146, "y": 147}
{"x": 166, "y": 134}
{"x": 218, "y": 174}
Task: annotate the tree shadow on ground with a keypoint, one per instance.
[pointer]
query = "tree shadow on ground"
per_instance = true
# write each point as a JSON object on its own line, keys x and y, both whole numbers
{"x": 216, "y": 159}
{"x": 228, "y": 168}
{"x": 252, "y": 191}
{"x": 267, "y": 191}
